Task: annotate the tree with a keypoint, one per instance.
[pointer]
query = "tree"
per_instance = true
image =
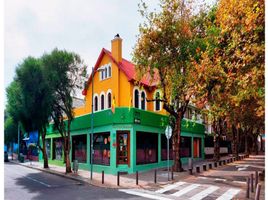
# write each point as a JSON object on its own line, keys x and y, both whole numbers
{"x": 63, "y": 72}
{"x": 232, "y": 69}
{"x": 166, "y": 44}
{"x": 29, "y": 99}
{"x": 10, "y": 129}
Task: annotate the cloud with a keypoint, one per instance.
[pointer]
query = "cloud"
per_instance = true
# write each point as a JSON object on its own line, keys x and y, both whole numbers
{"x": 85, "y": 27}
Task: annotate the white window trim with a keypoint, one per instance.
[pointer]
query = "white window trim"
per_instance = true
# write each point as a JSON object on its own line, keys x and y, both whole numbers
{"x": 104, "y": 107}
{"x": 95, "y": 95}
{"x": 109, "y": 91}
{"x": 105, "y": 67}
{"x": 160, "y": 103}
{"x": 145, "y": 99}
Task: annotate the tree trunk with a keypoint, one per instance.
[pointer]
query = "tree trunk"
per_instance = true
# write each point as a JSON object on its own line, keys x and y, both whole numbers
{"x": 44, "y": 151}
{"x": 246, "y": 143}
{"x": 235, "y": 142}
{"x": 217, "y": 134}
{"x": 67, "y": 150}
{"x": 176, "y": 145}
{"x": 216, "y": 156}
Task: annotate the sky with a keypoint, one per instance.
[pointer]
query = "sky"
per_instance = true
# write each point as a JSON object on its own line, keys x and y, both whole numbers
{"x": 32, "y": 28}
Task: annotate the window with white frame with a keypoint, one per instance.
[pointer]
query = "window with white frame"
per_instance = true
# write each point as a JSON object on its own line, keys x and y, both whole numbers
{"x": 109, "y": 99}
{"x": 96, "y": 103}
{"x": 106, "y": 71}
{"x": 143, "y": 100}
{"x": 136, "y": 98}
{"x": 102, "y": 103}
{"x": 109, "y": 71}
{"x": 157, "y": 102}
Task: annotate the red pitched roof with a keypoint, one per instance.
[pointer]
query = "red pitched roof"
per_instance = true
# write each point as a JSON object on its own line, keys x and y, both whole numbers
{"x": 128, "y": 68}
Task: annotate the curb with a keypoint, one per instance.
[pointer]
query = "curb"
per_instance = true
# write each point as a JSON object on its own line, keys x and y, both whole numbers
{"x": 81, "y": 180}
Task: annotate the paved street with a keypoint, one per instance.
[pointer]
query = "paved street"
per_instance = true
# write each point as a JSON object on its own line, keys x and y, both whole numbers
{"x": 24, "y": 184}
{"x": 223, "y": 183}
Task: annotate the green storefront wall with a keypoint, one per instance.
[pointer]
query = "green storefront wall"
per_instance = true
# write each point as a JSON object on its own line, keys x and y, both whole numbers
{"x": 131, "y": 120}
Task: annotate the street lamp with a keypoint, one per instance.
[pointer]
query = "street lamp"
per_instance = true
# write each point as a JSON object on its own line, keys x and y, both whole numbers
{"x": 92, "y": 121}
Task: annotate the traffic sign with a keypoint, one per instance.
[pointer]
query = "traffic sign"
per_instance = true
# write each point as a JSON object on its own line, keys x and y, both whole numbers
{"x": 168, "y": 132}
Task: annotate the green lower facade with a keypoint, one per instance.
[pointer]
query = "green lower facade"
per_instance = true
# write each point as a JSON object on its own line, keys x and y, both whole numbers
{"x": 128, "y": 140}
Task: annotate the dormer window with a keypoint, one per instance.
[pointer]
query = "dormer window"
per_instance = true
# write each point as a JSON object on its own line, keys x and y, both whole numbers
{"x": 106, "y": 71}
{"x": 109, "y": 71}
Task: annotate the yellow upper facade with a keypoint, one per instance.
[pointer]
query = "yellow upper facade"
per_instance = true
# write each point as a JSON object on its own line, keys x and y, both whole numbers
{"x": 114, "y": 85}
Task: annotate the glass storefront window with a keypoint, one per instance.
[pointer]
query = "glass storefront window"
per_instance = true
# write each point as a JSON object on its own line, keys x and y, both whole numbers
{"x": 147, "y": 148}
{"x": 164, "y": 148}
{"x": 101, "y": 146}
{"x": 79, "y": 148}
{"x": 122, "y": 147}
{"x": 186, "y": 147}
{"x": 57, "y": 149}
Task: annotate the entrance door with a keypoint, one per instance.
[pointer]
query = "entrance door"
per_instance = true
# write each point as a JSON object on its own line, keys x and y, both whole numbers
{"x": 197, "y": 144}
{"x": 123, "y": 152}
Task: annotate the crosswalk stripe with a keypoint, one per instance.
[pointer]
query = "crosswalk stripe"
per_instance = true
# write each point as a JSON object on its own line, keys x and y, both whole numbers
{"x": 142, "y": 194}
{"x": 229, "y": 194}
{"x": 185, "y": 190}
{"x": 169, "y": 187}
{"x": 204, "y": 193}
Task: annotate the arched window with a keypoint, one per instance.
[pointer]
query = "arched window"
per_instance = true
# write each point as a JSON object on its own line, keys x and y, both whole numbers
{"x": 143, "y": 100}
{"x": 102, "y": 102}
{"x": 96, "y": 103}
{"x": 109, "y": 100}
{"x": 109, "y": 71}
{"x": 136, "y": 98}
{"x": 157, "y": 102}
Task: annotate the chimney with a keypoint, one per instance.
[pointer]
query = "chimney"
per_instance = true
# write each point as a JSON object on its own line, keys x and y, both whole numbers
{"x": 117, "y": 48}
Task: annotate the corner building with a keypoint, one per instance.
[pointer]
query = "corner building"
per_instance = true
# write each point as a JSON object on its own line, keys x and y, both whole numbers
{"x": 129, "y": 132}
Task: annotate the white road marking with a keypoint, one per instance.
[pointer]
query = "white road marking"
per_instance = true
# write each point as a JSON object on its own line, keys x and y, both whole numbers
{"x": 42, "y": 183}
{"x": 185, "y": 190}
{"x": 32, "y": 179}
{"x": 229, "y": 194}
{"x": 204, "y": 193}
{"x": 142, "y": 194}
{"x": 220, "y": 179}
{"x": 239, "y": 182}
{"x": 240, "y": 169}
{"x": 201, "y": 177}
{"x": 169, "y": 187}
{"x": 239, "y": 166}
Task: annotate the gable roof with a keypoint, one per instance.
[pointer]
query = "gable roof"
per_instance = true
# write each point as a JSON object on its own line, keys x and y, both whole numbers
{"x": 128, "y": 68}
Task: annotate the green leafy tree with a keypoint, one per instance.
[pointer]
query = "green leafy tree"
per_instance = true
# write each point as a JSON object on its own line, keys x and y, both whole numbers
{"x": 29, "y": 100}
{"x": 232, "y": 66}
{"x": 167, "y": 43}
{"x": 63, "y": 72}
{"x": 10, "y": 130}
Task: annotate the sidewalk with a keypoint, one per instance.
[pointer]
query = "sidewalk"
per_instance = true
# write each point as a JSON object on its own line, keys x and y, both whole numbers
{"x": 146, "y": 179}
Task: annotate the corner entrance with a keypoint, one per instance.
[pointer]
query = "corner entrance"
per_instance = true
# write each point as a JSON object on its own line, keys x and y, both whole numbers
{"x": 123, "y": 150}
